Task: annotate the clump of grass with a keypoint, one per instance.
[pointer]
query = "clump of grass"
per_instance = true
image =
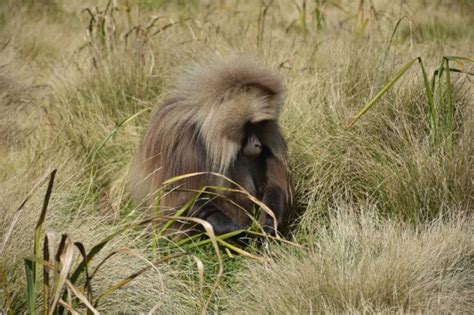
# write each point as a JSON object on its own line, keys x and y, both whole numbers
{"x": 62, "y": 291}
{"x": 68, "y": 284}
{"x": 435, "y": 29}
{"x": 61, "y": 281}
{"x": 441, "y": 113}
{"x": 363, "y": 263}
{"x": 389, "y": 158}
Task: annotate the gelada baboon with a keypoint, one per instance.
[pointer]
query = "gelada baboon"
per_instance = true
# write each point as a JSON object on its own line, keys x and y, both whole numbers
{"x": 220, "y": 118}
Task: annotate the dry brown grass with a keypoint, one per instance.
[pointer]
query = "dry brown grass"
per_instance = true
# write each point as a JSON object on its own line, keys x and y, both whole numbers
{"x": 402, "y": 242}
{"x": 361, "y": 263}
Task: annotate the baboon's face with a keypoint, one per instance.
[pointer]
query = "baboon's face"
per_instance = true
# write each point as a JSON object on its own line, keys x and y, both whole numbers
{"x": 251, "y": 145}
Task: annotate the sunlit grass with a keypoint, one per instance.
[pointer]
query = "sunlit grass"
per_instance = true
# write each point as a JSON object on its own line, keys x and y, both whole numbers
{"x": 384, "y": 205}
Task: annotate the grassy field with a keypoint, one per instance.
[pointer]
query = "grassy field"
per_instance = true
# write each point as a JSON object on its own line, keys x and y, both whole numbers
{"x": 385, "y": 206}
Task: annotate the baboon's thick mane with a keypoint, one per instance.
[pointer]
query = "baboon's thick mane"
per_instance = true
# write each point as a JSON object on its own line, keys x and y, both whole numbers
{"x": 200, "y": 125}
{"x": 220, "y": 98}
{"x": 211, "y": 83}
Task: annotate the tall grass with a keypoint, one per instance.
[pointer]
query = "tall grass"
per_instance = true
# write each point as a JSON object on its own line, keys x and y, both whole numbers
{"x": 362, "y": 263}
{"x": 384, "y": 206}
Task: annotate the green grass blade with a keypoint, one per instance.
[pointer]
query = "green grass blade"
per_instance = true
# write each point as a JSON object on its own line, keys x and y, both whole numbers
{"x": 87, "y": 285}
{"x": 116, "y": 128}
{"x": 240, "y": 251}
{"x": 384, "y": 90}
{"x": 429, "y": 95}
{"x": 437, "y": 73}
{"x": 98, "y": 247}
{"x": 206, "y": 241}
{"x": 109, "y": 256}
{"x": 441, "y": 108}
{"x": 387, "y": 49}
{"x": 30, "y": 267}
{"x": 449, "y": 105}
{"x": 39, "y": 224}
{"x": 180, "y": 212}
{"x": 19, "y": 211}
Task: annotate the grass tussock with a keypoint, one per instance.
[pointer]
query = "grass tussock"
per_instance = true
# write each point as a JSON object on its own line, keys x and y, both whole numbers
{"x": 361, "y": 263}
{"x": 78, "y": 81}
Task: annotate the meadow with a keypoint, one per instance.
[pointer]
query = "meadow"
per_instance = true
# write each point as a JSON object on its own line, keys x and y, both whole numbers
{"x": 379, "y": 122}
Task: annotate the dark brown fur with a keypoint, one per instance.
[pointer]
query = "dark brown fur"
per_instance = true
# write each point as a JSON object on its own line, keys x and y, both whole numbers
{"x": 201, "y": 127}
